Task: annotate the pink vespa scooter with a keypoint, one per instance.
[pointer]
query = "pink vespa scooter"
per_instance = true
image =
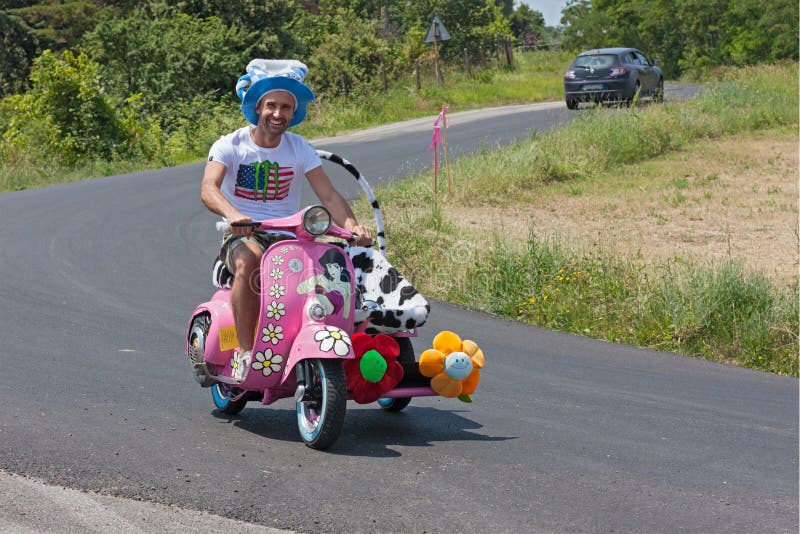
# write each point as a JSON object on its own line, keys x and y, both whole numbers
{"x": 303, "y": 334}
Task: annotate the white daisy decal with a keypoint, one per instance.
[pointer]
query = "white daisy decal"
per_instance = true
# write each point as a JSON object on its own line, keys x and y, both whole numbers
{"x": 276, "y": 274}
{"x": 277, "y": 291}
{"x": 272, "y": 334}
{"x": 284, "y": 250}
{"x": 277, "y": 260}
{"x": 332, "y": 338}
{"x": 276, "y": 310}
{"x": 267, "y": 362}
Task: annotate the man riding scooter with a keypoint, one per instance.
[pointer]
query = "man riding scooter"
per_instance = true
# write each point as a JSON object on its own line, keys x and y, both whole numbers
{"x": 256, "y": 173}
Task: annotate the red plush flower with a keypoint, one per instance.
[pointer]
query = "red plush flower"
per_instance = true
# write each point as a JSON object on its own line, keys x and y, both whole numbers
{"x": 375, "y": 370}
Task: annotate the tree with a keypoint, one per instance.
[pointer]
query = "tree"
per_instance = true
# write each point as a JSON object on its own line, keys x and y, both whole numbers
{"x": 585, "y": 26}
{"x": 267, "y": 24}
{"x": 58, "y": 24}
{"x": 350, "y": 59}
{"x": 169, "y": 59}
{"x": 761, "y": 34}
{"x": 471, "y": 23}
{"x": 67, "y": 116}
{"x": 20, "y": 46}
{"x": 527, "y": 25}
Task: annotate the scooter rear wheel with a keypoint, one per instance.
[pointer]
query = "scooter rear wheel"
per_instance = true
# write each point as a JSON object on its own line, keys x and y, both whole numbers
{"x": 320, "y": 415}
{"x": 222, "y": 395}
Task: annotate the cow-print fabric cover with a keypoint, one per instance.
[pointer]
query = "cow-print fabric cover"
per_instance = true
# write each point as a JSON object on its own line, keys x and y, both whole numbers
{"x": 392, "y": 304}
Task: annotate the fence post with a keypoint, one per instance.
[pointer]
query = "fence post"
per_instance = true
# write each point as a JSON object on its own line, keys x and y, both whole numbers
{"x": 509, "y": 52}
{"x": 383, "y": 78}
{"x": 466, "y": 63}
{"x": 416, "y": 74}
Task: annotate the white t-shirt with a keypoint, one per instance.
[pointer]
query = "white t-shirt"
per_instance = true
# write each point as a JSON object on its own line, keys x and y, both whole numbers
{"x": 264, "y": 183}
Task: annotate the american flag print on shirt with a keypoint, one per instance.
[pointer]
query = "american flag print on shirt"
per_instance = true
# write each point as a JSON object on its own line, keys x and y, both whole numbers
{"x": 263, "y": 180}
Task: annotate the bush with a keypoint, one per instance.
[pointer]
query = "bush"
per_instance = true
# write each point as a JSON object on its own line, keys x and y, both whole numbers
{"x": 67, "y": 117}
{"x": 349, "y": 62}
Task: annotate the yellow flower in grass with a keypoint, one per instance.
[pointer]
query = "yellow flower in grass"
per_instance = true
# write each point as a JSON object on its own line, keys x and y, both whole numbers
{"x": 453, "y": 365}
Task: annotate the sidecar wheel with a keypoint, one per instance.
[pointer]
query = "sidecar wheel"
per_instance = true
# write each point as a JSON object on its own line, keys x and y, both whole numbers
{"x": 394, "y": 405}
{"x": 320, "y": 415}
{"x": 221, "y": 395}
{"x": 406, "y": 356}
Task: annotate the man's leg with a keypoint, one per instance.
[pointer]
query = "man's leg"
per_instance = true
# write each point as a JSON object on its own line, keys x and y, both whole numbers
{"x": 246, "y": 291}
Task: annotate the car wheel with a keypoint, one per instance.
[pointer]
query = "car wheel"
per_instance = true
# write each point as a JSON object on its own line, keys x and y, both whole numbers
{"x": 572, "y": 103}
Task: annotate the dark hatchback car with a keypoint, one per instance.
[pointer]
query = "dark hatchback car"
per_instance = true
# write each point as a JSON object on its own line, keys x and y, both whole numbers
{"x": 612, "y": 75}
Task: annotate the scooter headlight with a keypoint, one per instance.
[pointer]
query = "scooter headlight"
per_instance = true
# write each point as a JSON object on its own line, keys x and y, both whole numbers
{"x": 316, "y": 220}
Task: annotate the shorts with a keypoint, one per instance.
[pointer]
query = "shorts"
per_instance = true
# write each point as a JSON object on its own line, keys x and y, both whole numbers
{"x": 232, "y": 241}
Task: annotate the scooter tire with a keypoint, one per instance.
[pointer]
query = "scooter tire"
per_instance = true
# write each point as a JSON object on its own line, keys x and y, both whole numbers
{"x": 406, "y": 356}
{"x": 221, "y": 395}
{"x": 320, "y": 415}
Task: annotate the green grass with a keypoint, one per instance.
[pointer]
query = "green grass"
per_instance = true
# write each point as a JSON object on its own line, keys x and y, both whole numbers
{"x": 719, "y": 312}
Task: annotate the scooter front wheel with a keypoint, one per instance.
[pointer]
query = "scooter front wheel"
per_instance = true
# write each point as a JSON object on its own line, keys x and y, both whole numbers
{"x": 320, "y": 414}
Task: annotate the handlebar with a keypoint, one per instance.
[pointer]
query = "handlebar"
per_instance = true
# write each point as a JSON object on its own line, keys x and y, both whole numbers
{"x": 290, "y": 224}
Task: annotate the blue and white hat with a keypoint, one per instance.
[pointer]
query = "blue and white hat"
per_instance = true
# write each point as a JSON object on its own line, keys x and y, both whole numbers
{"x": 266, "y": 75}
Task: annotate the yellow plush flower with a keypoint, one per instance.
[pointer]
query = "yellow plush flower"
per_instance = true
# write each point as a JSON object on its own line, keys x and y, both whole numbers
{"x": 453, "y": 365}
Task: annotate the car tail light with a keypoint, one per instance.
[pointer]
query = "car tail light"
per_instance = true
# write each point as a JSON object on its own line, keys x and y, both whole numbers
{"x": 619, "y": 71}
{"x": 569, "y": 73}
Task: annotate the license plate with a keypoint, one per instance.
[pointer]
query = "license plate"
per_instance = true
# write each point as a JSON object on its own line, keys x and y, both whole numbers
{"x": 593, "y": 87}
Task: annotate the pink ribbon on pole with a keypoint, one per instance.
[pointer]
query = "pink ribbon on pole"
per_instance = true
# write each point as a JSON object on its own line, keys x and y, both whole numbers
{"x": 436, "y": 138}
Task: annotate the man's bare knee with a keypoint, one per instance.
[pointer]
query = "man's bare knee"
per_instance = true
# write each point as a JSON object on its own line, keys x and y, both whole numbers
{"x": 245, "y": 259}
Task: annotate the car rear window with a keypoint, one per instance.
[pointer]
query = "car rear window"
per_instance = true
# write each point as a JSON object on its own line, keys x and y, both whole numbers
{"x": 598, "y": 61}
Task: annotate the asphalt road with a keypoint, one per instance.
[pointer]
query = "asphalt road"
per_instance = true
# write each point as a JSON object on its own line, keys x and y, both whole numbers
{"x": 566, "y": 434}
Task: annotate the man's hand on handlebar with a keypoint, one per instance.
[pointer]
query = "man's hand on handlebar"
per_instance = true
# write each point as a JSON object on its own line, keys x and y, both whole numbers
{"x": 362, "y": 236}
{"x": 242, "y": 225}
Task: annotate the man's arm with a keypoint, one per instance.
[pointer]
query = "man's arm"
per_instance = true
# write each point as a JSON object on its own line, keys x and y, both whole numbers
{"x": 337, "y": 205}
{"x": 211, "y": 193}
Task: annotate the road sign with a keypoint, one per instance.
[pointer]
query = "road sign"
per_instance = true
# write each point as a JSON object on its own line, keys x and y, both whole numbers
{"x": 436, "y": 31}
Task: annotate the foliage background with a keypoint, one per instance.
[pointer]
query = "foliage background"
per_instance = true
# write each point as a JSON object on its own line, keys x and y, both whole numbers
{"x": 148, "y": 80}
{"x": 685, "y": 35}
